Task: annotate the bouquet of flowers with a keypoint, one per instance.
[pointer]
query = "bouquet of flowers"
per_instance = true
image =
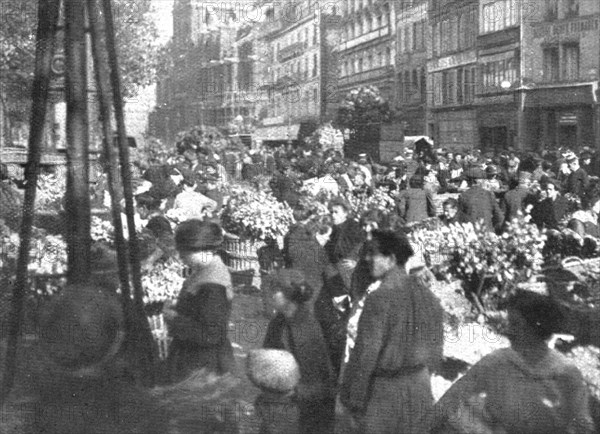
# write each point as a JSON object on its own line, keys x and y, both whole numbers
{"x": 102, "y": 230}
{"x": 50, "y": 192}
{"x": 378, "y": 200}
{"x": 163, "y": 282}
{"x": 256, "y": 215}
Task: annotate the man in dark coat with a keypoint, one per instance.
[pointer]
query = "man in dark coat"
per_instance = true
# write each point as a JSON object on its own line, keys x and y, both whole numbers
{"x": 386, "y": 385}
{"x": 549, "y": 211}
{"x": 515, "y": 200}
{"x": 479, "y": 204}
{"x": 415, "y": 203}
{"x": 578, "y": 181}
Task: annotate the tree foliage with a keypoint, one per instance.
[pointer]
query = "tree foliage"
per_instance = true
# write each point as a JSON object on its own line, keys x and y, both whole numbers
{"x": 135, "y": 31}
{"x": 363, "y": 106}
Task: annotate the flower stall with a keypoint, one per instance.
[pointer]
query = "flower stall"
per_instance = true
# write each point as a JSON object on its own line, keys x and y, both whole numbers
{"x": 253, "y": 219}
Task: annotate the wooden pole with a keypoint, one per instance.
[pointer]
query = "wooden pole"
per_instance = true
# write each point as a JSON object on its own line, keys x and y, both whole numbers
{"x": 48, "y": 12}
{"x": 78, "y": 192}
{"x": 143, "y": 339}
{"x": 111, "y": 166}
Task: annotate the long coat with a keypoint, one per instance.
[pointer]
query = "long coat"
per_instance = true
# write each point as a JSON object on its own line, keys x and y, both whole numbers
{"x": 480, "y": 204}
{"x": 301, "y": 335}
{"x": 386, "y": 382}
{"x": 415, "y": 205}
{"x": 199, "y": 323}
{"x": 302, "y": 251}
{"x": 548, "y": 213}
{"x": 514, "y": 201}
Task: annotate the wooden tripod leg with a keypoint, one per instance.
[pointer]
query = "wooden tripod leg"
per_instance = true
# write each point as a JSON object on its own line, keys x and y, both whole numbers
{"x": 48, "y": 12}
{"x": 143, "y": 339}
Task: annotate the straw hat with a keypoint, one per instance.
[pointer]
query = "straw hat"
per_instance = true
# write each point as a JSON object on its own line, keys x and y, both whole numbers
{"x": 273, "y": 370}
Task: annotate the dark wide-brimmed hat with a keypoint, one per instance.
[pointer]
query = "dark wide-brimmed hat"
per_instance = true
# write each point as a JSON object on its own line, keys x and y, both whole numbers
{"x": 475, "y": 173}
{"x": 196, "y": 234}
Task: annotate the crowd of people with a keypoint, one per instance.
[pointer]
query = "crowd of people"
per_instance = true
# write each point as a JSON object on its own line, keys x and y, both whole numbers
{"x": 366, "y": 332}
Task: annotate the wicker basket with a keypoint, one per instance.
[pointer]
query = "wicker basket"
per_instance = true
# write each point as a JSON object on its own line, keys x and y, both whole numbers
{"x": 273, "y": 370}
{"x": 578, "y": 266}
{"x": 242, "y": 254}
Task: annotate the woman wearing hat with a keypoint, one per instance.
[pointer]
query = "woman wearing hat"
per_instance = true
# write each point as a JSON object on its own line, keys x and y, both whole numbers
{"x": 199, "y": 320}
{"x": 527, "y": 388}
{"x": 295, "y": 328}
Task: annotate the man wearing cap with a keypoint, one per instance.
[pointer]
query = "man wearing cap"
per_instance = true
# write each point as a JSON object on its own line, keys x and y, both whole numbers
{"x": 479, "y": 204}
{"x": 578, "y": 181}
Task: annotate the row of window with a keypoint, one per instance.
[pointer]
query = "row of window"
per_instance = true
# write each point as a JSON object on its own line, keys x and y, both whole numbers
{"x": 412, "y": 37}
{"x": 367, "y": 24}
{"x": 561, "y": 62}
{"x": 300, "y": 103}
{"x": 560, "y": 9}
{"x": 500, "y": 15}
{"x": 494, "y": 73}
{"x": 302, "y": 68}
{"x": 367, "y": 62}
{"x": 454, "y": 86}
{"x": 456, "y": 33}
{"x": 309, "y": 35}
{"x": 349, "y": 6}
{"x": 411, "y": 84}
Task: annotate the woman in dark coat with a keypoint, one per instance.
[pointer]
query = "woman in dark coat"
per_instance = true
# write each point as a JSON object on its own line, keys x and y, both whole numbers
{"x": 302, "y": 251}
{"x": 199, "y": 320}
{"x": 296, "y": 329}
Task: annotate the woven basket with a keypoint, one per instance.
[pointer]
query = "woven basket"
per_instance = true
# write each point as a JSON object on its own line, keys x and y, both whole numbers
{"x": 273, "y": 370}
{"x": 577, "y": 265}
{"x": 242, "y": 254}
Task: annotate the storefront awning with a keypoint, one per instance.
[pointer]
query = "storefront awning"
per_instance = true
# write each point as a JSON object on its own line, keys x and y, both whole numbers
{"x": 277, "y": 132}
{"x": 559, "y": 96}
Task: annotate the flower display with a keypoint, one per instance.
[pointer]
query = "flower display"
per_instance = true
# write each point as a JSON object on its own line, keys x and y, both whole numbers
{"x": 102, "y": 231}
{"x": 256, "y": 215}
{"x": 327, "y": 137}
{"x": 379, "y": 200}
{"x": 50, "y": 191}
{"x": 163, "y": 282}
{"x": 484, "y": 261}
{"x": 47, "y": 258}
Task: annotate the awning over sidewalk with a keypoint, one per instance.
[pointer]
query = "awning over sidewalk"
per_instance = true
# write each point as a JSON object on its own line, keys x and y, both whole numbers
{"x": 277, "y": 132}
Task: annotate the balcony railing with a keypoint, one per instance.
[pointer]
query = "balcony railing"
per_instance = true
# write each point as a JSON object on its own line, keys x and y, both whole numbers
{"x": 294, "y": 50}
{"x": 372, "y": 74}
{"x": 375, "y": 34}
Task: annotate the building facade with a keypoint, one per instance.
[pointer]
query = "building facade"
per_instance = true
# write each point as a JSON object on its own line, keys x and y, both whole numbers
{"x": 499, "y": 62}
{"x": 412, "y": 41}
{"x": 561, "y": 50}
{"x": 367, "y": 49}
{"x": 452, "y": 73}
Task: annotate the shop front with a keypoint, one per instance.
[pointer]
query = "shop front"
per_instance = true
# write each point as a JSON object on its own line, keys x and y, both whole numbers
{"x": 456, "y": 129}
{"x": 560, "y": 117}
{"x": 498, "y": 127}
